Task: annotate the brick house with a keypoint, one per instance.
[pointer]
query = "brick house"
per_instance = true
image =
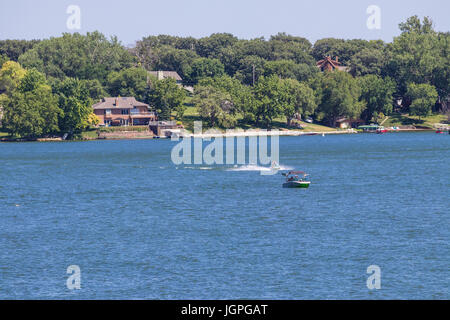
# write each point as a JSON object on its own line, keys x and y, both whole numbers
{"x": 123, "y": 111}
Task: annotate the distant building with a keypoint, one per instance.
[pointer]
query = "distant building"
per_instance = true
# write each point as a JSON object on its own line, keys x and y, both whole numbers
{"x": 123, "y": 111}
{"x": 328, "y": 64}
{"x": 160, "y": 75}
{"x": 346, "y": 123}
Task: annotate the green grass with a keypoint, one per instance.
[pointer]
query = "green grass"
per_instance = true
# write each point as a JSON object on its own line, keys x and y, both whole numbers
{"x": 191, "y": 114}
{"x": 89, "y": 134}
{"x": 397, "y": 120}
{"x": 4, "y": 134}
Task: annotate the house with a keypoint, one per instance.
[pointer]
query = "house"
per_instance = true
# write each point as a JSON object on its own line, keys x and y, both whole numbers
{"x": 328, "y": 64}
{"x": 346, "y": 123}
{"x": 160, "y": 75}
{"x": 123, "y": 111}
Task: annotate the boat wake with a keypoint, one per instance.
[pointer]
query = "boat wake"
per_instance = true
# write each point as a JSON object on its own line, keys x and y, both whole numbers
{"x": 251, "y": 167}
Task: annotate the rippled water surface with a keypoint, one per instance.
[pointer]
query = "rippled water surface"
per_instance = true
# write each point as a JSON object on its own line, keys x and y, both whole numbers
{"x": 140, "y": 227}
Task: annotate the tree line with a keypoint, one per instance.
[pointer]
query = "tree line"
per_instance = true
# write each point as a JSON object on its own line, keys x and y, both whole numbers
{"x": 48, "y": 86}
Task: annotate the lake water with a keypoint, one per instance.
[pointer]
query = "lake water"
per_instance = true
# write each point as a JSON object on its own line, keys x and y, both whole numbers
{"x": 140, "y": 227}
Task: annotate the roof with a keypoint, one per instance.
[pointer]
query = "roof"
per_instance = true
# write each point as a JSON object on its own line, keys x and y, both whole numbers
{"x": 329, "y": 63}
{"x": 166, "y": 74}
{"x": 119, "y": 103}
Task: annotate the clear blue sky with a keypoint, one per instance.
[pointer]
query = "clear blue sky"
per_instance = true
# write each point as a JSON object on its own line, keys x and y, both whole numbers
{"x": 131, "y": 20}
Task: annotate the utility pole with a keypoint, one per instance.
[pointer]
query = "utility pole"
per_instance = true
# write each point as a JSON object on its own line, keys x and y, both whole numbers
{"x": 253, "y": 73}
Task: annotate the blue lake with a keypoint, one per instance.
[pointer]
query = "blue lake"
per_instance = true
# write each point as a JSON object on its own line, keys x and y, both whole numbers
{"x": 140, "y": 227}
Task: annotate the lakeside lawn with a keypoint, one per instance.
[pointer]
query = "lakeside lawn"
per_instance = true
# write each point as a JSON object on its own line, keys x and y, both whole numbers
{"x": 398, "y": 119}
{"x": 191, "y": 114}
{"x": 3, "y": 134}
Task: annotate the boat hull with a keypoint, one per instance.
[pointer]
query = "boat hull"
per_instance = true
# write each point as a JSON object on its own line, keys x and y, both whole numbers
{"x": 296, "y": 184}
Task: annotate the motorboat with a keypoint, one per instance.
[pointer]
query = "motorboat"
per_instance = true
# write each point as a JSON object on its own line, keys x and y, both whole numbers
{"x": 296, "y": 179}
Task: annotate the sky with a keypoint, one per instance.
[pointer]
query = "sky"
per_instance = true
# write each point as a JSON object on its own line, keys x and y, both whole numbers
{"x": 131, "y": 20}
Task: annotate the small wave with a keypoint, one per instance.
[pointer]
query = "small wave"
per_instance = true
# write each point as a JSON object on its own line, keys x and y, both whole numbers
{"x": 199, "y": 168}
{"x": 251, "y": 167}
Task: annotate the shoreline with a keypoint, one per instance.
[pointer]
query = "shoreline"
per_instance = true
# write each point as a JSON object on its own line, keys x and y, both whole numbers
{"x": 236, "y": 133}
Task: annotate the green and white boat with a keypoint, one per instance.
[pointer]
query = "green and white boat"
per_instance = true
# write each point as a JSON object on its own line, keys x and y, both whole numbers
{"x": 296, "y": 179}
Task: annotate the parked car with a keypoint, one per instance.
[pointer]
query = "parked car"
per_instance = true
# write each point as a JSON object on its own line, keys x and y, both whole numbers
{"x": 309, "y": 120}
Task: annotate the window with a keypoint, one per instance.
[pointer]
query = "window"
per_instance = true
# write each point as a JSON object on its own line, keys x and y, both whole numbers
{"x": 107, "y": 111}
{"x": 125, "y": 111}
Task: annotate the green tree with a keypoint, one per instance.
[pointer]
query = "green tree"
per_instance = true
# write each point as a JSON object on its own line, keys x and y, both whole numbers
{"x": 95, "y": 89}
{"x": 377, "y": 95}
{"x": 31, "y": 110}
{"x": 368, "y": 61}
{"x": 249, "y": 67}
{"x": 12, "y": 49}
{"x": 240, "y": 94}
{"x": 76, "y": 104}
{"x": 167, "y": 97}
{"x": 270, "y": 98}
{"x": 289, "y": 69}
{"x": 90, "y": 56}
{"x": 181, "y": 61}
{"x": 340, "y": 96}
{"x": 11, "y": 74}
{"x": 299, "y": 98}
{"x": 3, "y": 59}
{"x": 215, "y": 106}
{"x": 131, "y": 82}
{"x": 420, "y": 55}
{"x": 210, "y": 47}
{"x": 423, "y": 97}
{"x": 205, "y": 67}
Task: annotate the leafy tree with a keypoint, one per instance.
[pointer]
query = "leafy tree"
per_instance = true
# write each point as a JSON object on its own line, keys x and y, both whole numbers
{"x": 130, "y": 82}
{"x": 90, "y": 56}
{"x": 270, "y": 99}
{"x": 420, "y": 55}
{"x": 178, "y": 60}
{"x": 95, "y": 89}
{"x": 12, "y": 49}
{"x": 340, "y": 96}
{"x": 32, "y": 109}
{"x": 377, "y": 95}
{"x": 248, "y": 67}
{"x": 414, "y": 25}
{"x": 298, "y": 98}
{"x": 3, "y": 59}
{"x": 167, "y": 97}
{"x": 423, "y": 98}
{"x": 240, "y": 94}
{"x": 343, "y": 49}
{"x": 75, "y": 102}
{"x": 286, "y": 47}
{"x": 210, "y": 47}
{"x": 11, "y": 74}
{"x": 368, "y": 61}
{"x": 289, "y": 69}
{"x": 215, "y": 106}
{"x": 206, "y": 67}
